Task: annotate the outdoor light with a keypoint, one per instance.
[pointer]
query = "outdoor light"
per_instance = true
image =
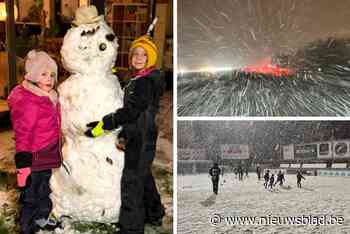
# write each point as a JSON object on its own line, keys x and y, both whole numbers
{"x": 207, "y": 69}
{"x": 83, "y": 2}
{"x": 3, "y": 11}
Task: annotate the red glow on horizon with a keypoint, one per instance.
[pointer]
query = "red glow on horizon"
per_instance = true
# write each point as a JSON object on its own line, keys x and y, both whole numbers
{"x": 267, "y": 68}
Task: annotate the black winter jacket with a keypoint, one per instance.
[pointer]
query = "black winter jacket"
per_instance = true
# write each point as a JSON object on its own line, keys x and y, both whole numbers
{"x": 214, "y": 172}
{"x": 141, "y": 104}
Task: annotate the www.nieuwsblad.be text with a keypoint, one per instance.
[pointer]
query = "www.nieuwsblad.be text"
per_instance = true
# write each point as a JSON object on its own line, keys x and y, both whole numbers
{"x": 218, "y": 219}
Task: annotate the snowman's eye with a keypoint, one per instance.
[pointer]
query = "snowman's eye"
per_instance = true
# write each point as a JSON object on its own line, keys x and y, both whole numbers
{"x": 83, "y": 33}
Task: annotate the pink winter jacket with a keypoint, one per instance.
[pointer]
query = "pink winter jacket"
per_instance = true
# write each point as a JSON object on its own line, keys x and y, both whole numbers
{"x": 36, "y": 123}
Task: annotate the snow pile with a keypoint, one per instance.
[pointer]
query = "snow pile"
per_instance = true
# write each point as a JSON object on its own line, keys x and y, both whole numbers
{"x": 87, "y": 186}
{"x": 319, "y": 196}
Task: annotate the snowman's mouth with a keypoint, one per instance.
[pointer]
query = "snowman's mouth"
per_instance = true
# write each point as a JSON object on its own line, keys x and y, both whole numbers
{"x": 90, "y": 32}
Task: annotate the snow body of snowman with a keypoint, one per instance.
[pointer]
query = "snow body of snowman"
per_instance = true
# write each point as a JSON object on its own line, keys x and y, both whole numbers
{"x": 87, "y": 186}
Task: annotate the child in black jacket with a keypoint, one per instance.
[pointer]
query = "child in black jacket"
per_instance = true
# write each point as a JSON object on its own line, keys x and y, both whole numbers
{"x": 140, "y": 198}
{"x": 214, "y": 172}
{"x": 299, "y": 177}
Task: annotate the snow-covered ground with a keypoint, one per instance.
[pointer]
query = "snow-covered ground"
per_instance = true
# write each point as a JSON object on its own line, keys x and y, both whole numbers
{"x": 319, "y": 196}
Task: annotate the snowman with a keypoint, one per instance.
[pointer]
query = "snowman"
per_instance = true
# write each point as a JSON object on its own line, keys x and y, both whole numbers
{"x": 87, "y": 186}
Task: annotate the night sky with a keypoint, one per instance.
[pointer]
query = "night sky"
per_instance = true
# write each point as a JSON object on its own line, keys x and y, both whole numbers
{"x": 238, "y": 33}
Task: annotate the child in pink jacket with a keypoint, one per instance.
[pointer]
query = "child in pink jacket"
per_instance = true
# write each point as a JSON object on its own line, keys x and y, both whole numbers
{"x": 35, "y": 117}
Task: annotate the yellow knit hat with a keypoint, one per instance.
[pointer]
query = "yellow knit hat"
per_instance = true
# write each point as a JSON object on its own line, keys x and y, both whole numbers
{"x": 151, "y": 49}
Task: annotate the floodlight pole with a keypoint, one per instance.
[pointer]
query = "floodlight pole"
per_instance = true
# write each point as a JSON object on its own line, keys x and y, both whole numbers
{"x": 11, "y": 44}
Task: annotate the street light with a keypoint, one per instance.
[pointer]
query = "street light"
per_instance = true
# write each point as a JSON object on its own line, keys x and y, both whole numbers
{"x": 3, "y": 13}
{"x": 10, "y": 17}
{"x": 83, "y": 3}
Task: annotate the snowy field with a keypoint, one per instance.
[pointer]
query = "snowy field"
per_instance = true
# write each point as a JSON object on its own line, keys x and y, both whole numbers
{"x": 319, "y": 196}
{"x": 226, "y": 94}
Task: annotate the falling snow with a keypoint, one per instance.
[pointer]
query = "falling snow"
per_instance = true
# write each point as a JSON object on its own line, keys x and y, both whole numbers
{"x": 310, "y": 38}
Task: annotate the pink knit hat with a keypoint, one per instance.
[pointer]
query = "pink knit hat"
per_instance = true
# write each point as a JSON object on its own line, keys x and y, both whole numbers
{"x": 38, "y": 62}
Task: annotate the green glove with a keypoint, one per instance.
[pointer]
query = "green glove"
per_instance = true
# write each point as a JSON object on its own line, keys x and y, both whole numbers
{"x": 96, "y": 129}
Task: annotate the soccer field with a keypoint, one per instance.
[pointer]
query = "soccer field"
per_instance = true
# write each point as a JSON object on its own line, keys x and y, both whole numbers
{"x": 321, "y": 199}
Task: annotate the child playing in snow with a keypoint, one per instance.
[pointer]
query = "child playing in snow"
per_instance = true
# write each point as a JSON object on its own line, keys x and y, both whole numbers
{"x": 35, "y": 117}
{"x": 299, "y": 177}
{"x": 140, "y": 198}
{"x": 280, "y": 178}
{"x": 214, "y": 172}
{"x": 272, "y": 180}
{"x": 266, "y": 178}
{"x": 258, "y": 172}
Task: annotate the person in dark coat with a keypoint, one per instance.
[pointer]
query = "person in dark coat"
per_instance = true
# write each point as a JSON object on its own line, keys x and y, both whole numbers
{"x": 258, "y": 172}
{"x": 140, "y": 198}
{"x": 240, "y": 172}
{"x": 235, "y": 170}
{"x": 214, "y": 172}
{"x": 266, "y": 178}
{"x": 299, "y": 177}
{"x": 280, "y": 178}
{"x": 271, "y": 181}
